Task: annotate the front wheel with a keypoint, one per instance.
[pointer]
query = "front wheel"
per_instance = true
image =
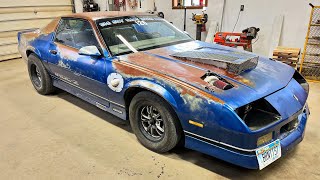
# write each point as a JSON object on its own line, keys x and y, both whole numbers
{"x": 154, "y": 122}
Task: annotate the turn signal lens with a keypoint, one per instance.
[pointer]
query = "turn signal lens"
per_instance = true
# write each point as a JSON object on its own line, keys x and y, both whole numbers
{"x": 264, "y": 139}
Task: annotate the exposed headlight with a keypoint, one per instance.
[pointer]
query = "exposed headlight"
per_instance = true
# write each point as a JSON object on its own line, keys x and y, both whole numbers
{"x": 258, "y": 114}
{"x": 301, "y": 80}
{"x": 264, "y": 139}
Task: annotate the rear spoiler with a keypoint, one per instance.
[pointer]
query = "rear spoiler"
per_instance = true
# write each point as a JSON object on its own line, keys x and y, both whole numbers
{"x": 25, "y": 31}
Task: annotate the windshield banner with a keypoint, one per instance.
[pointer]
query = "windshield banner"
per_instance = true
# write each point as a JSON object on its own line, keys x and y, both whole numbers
{"x": 141, "y": 21}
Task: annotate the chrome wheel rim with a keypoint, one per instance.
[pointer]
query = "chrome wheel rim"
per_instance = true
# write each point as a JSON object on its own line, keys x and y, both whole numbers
{"x": 38, "y": 74}
{"x": 152, "y": 122}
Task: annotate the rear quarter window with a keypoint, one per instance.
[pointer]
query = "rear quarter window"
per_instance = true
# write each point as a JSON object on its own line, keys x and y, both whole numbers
{"x": 76, "y": 33}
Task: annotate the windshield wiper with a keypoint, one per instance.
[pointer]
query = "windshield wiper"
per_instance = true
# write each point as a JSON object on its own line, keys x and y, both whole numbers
{"x": 122, "y": 39}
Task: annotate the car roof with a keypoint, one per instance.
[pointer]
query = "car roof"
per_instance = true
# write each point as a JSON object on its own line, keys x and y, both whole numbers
{"x": 106, "y": 14}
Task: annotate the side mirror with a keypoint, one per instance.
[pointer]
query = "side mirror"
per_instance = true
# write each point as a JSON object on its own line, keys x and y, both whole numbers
{"x": 89, "y": 51}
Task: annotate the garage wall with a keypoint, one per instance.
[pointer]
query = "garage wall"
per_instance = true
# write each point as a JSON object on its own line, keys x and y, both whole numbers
{"x": 262, "y": 14}
{"x": 145, "y": 5}
{"x": 102, "y": 4}
{"x": 176, "y": 16}
{"x": 215, "y": 8}
{"x": 17, "y": 15}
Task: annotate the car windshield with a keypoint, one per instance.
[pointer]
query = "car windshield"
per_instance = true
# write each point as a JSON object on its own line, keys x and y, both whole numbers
{"x": 125, "y": 35}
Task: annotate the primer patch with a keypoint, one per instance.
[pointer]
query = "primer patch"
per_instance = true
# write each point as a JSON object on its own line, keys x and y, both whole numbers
{"x": 115, "y": 82}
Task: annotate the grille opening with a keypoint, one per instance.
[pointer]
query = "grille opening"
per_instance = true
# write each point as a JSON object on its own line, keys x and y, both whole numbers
{"x": 258, "y": 114}
{"x": 289, "y": 126}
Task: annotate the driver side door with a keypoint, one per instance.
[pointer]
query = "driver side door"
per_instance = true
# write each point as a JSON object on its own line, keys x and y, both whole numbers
{"x": 81, "y": 75}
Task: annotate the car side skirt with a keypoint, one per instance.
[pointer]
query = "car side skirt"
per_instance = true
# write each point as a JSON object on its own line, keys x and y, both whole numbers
{"x": 100, "y": 102}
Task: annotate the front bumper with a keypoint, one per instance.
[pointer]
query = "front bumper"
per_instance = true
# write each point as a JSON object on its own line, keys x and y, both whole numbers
{"x": 243, "y": 157}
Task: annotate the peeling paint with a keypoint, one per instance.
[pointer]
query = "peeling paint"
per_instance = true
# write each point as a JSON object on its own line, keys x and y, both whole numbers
{"x": 144, "y": 83}
{"x": 63, "y": 65}
{"x": 69, "y": 57}
{"x": 193, "y": 102}
{"x": 68, "y": 53}
{"x": 134, "y": 71}
{"x": 166, "y": 52}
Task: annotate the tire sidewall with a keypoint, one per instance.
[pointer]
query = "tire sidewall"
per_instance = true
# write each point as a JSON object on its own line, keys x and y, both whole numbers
{"x": 34, "y": 60}
{"x": 171, "y": 130}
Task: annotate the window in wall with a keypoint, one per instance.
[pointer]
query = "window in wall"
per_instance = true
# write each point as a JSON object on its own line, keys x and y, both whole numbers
{"x": 189, "y": 4}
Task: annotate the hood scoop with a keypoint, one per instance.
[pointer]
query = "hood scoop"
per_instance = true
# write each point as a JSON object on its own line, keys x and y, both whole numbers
{"x": 232, "y": 61}
{"x": 214, "y": 80}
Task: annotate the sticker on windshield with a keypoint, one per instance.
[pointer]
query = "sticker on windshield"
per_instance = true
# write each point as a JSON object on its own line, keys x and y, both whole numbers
{"x": 103, "y": 24}
{"x": 141, "y": 21}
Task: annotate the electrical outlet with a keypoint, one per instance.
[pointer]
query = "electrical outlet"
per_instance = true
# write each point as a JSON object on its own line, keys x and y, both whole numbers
{"x": 242, "y": 8}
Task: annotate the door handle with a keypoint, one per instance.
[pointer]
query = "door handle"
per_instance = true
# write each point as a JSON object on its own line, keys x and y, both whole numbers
{"x": 53, "y": 52}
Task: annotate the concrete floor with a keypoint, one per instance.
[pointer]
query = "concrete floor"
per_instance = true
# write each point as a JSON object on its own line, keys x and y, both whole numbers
{"x": 62, "y": 137}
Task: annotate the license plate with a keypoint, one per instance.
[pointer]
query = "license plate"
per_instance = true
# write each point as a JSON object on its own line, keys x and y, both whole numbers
{"x": 268, "y": 153}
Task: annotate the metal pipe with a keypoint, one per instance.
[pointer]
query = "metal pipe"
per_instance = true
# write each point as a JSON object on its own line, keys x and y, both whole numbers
{"x": 199, "y": 29}
{"x": 221, "y": 21}
{"x": 185, "y": 19}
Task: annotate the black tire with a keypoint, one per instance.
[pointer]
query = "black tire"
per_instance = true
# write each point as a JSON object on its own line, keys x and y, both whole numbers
{"x": 39, "y": 76}
{"x": 172, "y": 130}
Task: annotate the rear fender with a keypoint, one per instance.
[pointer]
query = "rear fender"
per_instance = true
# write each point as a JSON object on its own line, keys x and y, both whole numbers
{"x": 34, "y": 50}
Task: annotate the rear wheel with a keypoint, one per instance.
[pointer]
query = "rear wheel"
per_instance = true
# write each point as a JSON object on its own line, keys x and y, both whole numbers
{"x": 154, "y": 122}
{"x": 39, "y": 76}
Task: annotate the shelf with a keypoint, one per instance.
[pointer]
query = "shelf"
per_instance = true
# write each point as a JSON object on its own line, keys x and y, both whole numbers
{"x": 314, "y": 44}
{"x": 312, "y": 54}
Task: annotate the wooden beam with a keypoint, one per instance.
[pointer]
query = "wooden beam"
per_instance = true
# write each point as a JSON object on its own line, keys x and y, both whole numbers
{"x": 35, "y": 9}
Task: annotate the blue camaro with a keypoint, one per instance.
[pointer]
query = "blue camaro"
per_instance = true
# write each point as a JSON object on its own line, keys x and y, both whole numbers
{"x": 231, "y": 104}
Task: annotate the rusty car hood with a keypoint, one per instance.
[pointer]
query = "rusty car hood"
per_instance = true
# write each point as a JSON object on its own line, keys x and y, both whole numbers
{"x": 268, "y": 76}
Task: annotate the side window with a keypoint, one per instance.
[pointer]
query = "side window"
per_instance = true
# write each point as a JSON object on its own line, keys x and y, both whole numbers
{"x": 76, "y": 33}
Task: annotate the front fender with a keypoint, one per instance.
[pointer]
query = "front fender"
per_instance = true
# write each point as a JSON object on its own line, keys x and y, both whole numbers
{"x": 153, "y": 87}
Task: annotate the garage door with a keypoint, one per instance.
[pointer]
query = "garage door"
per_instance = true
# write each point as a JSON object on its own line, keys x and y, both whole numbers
{"x": 17, "y": 15}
